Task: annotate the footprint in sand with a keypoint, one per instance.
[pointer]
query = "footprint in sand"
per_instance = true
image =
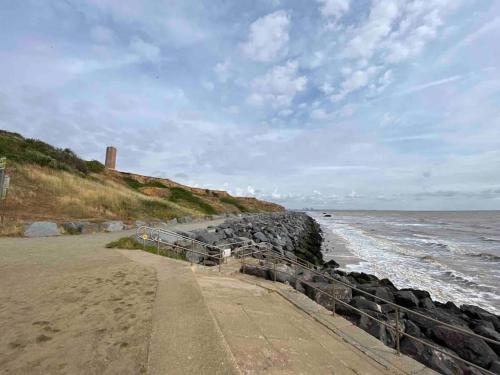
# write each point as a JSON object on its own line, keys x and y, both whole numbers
{"x": 43, "y": 338}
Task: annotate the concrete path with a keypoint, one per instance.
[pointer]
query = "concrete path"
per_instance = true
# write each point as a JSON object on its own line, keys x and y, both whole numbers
{"x": 185, "y": 338}
{"x": 268, "y": 335}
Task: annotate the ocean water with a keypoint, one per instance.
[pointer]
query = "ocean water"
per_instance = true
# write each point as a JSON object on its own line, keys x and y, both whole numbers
{"x": 453, "y": 255}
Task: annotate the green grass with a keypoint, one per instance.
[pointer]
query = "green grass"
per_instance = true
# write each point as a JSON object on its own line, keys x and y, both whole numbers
{"x": 136, "y": 185}
{"x": 130, "y": 243}
{"x": 178, "y": 194}
{"x": 33, "y": 151}
{"x": 234, "y": 202}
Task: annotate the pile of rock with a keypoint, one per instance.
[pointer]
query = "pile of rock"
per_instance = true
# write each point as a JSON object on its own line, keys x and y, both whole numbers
{"x": 350, "y": 291}
{"x": 49, "y": 229}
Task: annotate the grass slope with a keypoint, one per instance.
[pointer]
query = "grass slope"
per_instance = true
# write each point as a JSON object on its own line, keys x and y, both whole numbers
{"x": 50, "y": 183}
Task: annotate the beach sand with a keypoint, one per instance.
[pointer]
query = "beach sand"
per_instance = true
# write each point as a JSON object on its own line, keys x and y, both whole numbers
{"x": 70, "y": 306}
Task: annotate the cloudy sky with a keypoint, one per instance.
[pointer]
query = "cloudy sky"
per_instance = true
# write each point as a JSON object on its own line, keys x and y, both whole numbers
{"x": 376, "y": 104}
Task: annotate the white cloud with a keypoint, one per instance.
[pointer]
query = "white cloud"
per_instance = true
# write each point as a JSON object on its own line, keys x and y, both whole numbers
{"x": 278, "y": 86}
{"x": 333, "y": 8}
{"x": 354, "y": 81}
{"x": 145, "y": 50}
{"x": 367, "y": 38}
{"x": 268, "y": 38}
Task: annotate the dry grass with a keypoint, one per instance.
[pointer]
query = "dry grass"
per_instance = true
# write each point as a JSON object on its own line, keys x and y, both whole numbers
{"x": 39, "y": 192}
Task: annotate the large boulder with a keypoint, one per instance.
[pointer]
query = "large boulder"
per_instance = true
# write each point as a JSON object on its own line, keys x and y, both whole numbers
{"x": 487, "y": 329}
{"x": 255, "y": 271}
{"x": 476, "y": 312}
{"x": 41, "y": 229}
{"x": 283, "y": 274}
{"x": 81, "y": 227}
{"x": 406, "y": 298}
{"x": 432, "y": 358}
{"x": 112, "y": 226}
{"x": 260, "y": 237}
{"x": 362, "y": 303}
{"x": 468, "y": 347}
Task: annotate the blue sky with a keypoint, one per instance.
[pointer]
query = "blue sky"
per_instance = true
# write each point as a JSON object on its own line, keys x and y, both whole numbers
{"x": 375, "y": 104}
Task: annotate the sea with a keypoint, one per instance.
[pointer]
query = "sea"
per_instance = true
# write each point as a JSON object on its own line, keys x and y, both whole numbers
{"x": 455, "y": 256}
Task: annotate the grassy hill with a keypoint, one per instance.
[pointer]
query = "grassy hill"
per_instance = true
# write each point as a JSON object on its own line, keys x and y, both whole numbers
{"x": 48, "y": 183}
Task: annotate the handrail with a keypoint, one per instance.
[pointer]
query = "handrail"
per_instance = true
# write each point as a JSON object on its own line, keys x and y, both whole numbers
{"x": 399, "y": 308}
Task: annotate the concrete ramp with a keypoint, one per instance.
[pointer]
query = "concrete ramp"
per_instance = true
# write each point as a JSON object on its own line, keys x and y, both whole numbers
{"x": 185, "y": 338}
{"x": 209, "y": 322}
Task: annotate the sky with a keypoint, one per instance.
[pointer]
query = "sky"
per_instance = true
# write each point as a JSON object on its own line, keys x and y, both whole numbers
{"x": 346, "y": 104}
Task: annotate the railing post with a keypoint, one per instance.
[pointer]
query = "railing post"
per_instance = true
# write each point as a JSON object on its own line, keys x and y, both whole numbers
{"x": 220, "y": 258}
{"x": 158, "y": 245}
{"x": 334, "y": 299}
{"x": 274, "y": 268}
{"x": 397, "y": 331}
{"x": 243, "y": 263}
{"x": 192, "y": 253}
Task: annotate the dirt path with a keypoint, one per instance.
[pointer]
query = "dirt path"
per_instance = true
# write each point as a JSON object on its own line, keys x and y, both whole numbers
{"x": 68, "y": 305}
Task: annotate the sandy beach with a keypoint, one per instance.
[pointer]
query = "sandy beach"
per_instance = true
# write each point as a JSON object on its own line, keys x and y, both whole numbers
{"x": 70, "y": 306}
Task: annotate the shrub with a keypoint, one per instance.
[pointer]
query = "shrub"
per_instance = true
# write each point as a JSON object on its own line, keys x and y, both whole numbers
{"x": 234, "y": 202}
{"x": 95, "y": 166}
{"x": 179, "y": 194}
{"x": 132, "y": 183}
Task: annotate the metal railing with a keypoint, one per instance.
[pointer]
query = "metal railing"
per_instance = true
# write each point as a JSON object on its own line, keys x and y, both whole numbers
{"x": 275, "y": 257}
{"x": 265, "y": 252}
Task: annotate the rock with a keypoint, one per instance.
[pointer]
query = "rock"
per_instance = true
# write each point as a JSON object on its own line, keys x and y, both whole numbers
{"x": 412, "y": 329}
{"x": 172, "y": 221}
{"x": 260, "y": 237}
{"x": 41, "y": 229}
{"x": 204, "y": 236}
{"x": 363, "y": 278}
{"x": 378, "y": 330}
{"x": 427, "y": 303}
{"x": 495, "y": 367}
{"x": 193, "y": 257}
{"x": 476, "y": 312}
{"x": 406, "y": 298}
{"x": 470, "y": 348}
{"x": 331, "y": 264}
{"x": 81, "y": 227}
{"x": 341, "y": 293}
{"x": 487, "y": 329}
{"x": 112, "y": 226}
{"x": 284, "y": 274}
{"x": 140, "y": 223}
{"x": 382, "y": 292}
{"x": 432, "y": 358}
{"x": 228, "y": 232}
{"x": 254, "y": 271}
{"x": 361, "y": 302}
{"x": 185, "y": 220}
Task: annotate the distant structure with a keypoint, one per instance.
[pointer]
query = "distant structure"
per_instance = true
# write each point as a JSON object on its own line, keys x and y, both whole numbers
{"x": 110, "y": 157}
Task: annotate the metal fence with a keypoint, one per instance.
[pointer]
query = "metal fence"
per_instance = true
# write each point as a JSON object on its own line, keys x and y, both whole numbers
{"x": 243, "y": 250}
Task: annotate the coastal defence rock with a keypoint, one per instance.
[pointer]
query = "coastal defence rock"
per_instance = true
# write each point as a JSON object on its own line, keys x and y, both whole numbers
{"x": 41, "y": 229}
{"x": 112, "y": 226}
{"x": 81, "y": 227}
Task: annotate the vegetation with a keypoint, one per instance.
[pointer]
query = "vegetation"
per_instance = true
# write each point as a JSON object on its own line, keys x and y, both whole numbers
{"x": 136, "y": 185}
{"x": 95, "y": 166}
{"x": 130, "y": 243}
{"x": 178, "y": 195}
{"x": 234, "y": 202}
{"x": 32, "y": 151}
